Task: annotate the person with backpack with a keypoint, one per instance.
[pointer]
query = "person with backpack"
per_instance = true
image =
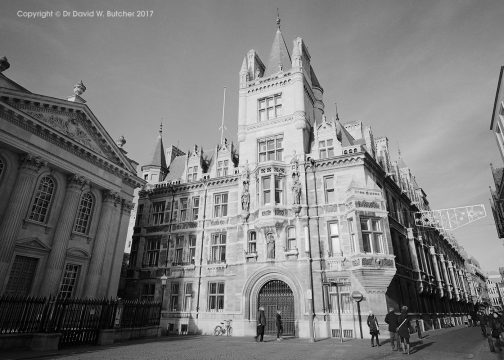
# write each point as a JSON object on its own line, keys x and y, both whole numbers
{"x": 392, "y": 319}
{"x": 404, "y": 330}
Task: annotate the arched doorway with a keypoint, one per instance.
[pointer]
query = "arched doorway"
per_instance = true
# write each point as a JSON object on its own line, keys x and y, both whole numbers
{"x": 277, "y": 295}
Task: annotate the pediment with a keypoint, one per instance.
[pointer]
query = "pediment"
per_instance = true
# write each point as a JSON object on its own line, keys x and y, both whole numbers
{"x": 69, "y": 124}
{"x": 33, "y": 243}
{"x": 70, "y": 121}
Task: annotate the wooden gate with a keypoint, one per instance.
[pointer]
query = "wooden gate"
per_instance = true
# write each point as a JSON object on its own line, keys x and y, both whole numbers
{"x": 277, "y": 295}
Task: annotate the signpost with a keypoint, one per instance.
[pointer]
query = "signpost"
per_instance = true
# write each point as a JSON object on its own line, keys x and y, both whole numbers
{"x": 357, "y": 296}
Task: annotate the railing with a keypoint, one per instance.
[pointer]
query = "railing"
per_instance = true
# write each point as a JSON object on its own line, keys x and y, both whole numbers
{"x": 78, "y": 320}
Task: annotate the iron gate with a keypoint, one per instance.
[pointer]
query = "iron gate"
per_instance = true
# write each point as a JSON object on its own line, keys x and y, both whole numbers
{"x": 277, "y": 295}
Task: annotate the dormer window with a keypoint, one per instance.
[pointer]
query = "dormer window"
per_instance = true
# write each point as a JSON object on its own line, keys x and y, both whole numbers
{"x": 222, "y": 168}
{"x": 192, "y": 173}
{"x": 271, "y": 148}
{"x": 270, "y": 107}
{"x": 326, "y": 148}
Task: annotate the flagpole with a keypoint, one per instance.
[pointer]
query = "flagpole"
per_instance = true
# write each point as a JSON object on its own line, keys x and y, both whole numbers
{"x": 222, "y": 122}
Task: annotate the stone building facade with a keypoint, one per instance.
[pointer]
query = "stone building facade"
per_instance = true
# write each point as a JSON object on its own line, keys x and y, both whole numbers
{"x": 305, "y": 214}
{"x": 497, "y": 127}
{"x": 66, "y": 191}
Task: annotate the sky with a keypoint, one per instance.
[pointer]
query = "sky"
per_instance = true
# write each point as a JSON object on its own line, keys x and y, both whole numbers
{"x": 423, "y": 73}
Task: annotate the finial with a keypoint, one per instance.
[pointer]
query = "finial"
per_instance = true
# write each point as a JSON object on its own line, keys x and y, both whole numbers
{"x": 336, "y": 107}
{"x": 278, "y": 19}
{"x": 4, "y": 64}
{"x": 398, "y": 150}
{"x": 161, "y": 127}
{"x": 79, "y": 88}
{"x": 121, "y": 141}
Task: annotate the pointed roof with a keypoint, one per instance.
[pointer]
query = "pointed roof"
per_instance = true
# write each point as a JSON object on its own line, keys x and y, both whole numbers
{"x": 158, "y": 157}
{"x": 279, "y": 55}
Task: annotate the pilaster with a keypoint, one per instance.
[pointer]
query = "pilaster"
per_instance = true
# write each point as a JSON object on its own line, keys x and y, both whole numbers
{"x": 436, "y": 271}
{"x": 126, "y": 208}
{"x": 16, "y": 210}
{"x": 100, "y": 242}
{"x": 445, "y": 274}
{"x": 454, "y": 281}
{"x": 56, "y": 261}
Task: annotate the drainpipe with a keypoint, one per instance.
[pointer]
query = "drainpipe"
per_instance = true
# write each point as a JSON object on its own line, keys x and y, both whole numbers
{"x": 201, "y": 249}
{"x": 310, "y": 260}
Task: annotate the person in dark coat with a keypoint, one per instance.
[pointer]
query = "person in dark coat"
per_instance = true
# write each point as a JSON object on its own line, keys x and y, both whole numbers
{"x": 404, "y": 330}
{"x": 261, "y": 324}
{"x": 495, "y": 323}
{"x": 392, "y": 319}
{"x": 374, "y": 328}
{"x": 279, "y": 325}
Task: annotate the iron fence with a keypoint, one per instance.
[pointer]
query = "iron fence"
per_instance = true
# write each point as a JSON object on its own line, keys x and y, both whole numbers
{"x": 78, "y": 320}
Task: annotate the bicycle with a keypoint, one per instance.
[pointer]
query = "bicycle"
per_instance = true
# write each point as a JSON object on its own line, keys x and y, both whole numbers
{"x": 223, "y": 328}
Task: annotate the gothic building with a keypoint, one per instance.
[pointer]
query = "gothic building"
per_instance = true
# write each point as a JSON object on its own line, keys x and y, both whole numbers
{"x": 497, "y": 126}
{"x": 66, "y": 191}
{"x": 305, "y": 215}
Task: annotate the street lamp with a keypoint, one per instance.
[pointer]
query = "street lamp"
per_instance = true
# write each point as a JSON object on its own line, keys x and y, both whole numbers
{"x": 163, "y": 279}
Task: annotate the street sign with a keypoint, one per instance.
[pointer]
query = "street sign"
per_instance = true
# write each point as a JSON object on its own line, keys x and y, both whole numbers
{"x": 357, "y": 296}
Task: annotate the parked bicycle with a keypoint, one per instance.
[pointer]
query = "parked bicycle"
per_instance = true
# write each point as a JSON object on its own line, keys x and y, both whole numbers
{"x": 223, "y": 328}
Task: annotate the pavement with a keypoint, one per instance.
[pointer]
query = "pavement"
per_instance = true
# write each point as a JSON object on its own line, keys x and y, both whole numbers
{"x": 445, "y": 344}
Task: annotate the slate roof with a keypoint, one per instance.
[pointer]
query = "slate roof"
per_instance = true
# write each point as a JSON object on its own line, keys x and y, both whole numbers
{"x": 279, "y": 55}
{"x": 158, "y": 156}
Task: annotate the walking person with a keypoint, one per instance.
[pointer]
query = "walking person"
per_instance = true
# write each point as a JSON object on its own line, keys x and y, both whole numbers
{"x": 392, "y": 319}
{"x": 495, "y": 322}
{"x": 261, "y": 324}
{"x": 404, "y": 330}
{"x": 279, "y": 325}
{"x": 374, "y": 328}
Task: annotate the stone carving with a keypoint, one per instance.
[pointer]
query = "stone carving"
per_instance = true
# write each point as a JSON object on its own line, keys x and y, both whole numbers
{"x": 245, "y": 198}
{"x": 32, "y": 162}
{"x": 121, "y": 141}
{"x": 296, "y": 191}
{"x": 4, "y": 64}
{"x": 79, "y": 88}
{"x": 77, "y": 181}
{"x": 270, "y": 246}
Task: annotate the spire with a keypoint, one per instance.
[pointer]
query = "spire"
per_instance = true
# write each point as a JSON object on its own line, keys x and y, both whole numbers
{"x": 279, "y": 58}
{"x": 158, "y": 157}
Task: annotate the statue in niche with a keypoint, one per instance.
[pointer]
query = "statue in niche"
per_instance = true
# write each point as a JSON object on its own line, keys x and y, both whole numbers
{"x": 245, "y": 198}
{"x": 270, "y": 246}
{"x": 296, "y": 190}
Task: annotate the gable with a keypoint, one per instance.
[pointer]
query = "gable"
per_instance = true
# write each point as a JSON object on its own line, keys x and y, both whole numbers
{"x": 33, "y": 243}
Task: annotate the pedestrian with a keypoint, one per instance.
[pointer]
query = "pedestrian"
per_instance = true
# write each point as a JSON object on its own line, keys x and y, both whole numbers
{"x": 495, "y": 323}
{"x": 261, "y": 324}
{"x": 392, "y": 319}
{"x": 483, "y": 324}
{"x": 404, "y": 330}
{"x": 279, "y": 325}
{"x": 374, "y": 328}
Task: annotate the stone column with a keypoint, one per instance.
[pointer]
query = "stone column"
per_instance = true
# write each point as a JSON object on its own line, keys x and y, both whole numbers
{"x": 108, "y": 261}
{"x": 56, "y": 260}
{"x": 436, "y": 271}
{"x": 454, "y": 281}
{"x": 119, "y": 249}
{"x": 422, "y": 255}
{"x": 445, "y": 275}
{"x": 414, "y": 259}
{"x": 16, "y": 210}
{"x": 462, "y": 281}
{"x": 100, "y": 242}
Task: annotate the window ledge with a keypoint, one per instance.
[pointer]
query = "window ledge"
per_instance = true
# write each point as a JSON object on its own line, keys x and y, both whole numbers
{"x": 294, "y": 251}
{"x": 250, "y": 254}
{"x": 76, "y": 235}
{"x": 46, "y": 227}
{"x": 216, "y": 265}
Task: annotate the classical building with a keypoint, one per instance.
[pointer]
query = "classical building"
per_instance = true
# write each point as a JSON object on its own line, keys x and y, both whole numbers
{"x": 497, "y": 126}
{"x": 66, "y": 191}
{"x": 306, "y": 215}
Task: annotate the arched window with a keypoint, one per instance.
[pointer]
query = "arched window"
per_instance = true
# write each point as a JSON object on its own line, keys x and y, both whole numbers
{"x": 83, "y": 218}
{"x": 42, "y": 199}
